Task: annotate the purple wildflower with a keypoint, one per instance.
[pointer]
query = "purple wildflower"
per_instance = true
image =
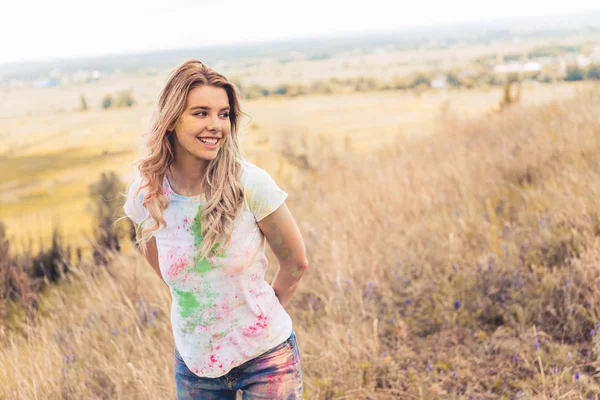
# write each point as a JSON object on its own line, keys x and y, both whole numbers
{"x": 407, "y": 301}
{"x": 429, "y": 367}
{"x": 454, "y": 373}
{"x": 515, "y": 358}
{"x": 592, "y": 332}
{"x": 69, "y": 358}
{"x": 555, "y": 370}
{"x": 457, "y": 304}
{"x": 155, "y": 312}
{"x": 576, "y": 376}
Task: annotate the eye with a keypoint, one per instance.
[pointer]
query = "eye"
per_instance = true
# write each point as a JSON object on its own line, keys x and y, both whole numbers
{"x": 201, "y": 112}
{"x": 226, "y": 115}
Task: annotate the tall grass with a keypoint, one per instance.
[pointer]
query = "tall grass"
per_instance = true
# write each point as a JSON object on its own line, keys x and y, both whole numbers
{"x": 463, "y": 265}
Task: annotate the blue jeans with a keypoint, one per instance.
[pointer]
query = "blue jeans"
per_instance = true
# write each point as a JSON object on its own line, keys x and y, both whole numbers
{"x": 275, "y": 374}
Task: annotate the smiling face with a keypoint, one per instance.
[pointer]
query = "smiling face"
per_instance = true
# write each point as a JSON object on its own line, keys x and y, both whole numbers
{"x": 206, "y": 116}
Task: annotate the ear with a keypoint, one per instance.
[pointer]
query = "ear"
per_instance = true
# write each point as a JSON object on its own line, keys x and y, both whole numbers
{"x": 172, "y": 126}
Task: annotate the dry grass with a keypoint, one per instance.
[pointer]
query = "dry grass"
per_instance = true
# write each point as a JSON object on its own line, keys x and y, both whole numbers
{"x": 460, "y": 265}
{"x": 59, "y": 155}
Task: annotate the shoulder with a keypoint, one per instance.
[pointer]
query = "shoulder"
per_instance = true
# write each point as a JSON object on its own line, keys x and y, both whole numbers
{"x": 261, "y": 192}
{"x": 135, "y": 186}
{"x": 133, "y": 206}
{"x": 251, "y": 173}
{"x": 254, "y": 178}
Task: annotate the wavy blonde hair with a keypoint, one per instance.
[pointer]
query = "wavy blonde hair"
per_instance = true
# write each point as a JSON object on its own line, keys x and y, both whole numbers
{"x": 221, "y": 183}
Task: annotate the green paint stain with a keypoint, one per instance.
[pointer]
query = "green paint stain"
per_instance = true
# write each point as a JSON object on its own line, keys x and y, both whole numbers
{"x": 197, "y": 311}
{"x": 204, "y": 265}
{"x": 193, "y": 311}
{"x": 187, "y": 302}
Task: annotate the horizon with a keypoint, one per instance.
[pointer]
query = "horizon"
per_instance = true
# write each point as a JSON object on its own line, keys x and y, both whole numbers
{"x": 31, "y": 49}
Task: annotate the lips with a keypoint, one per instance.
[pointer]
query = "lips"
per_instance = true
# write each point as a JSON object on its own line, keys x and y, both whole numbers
{"x": 208, "y": 137}
{"x": 209, "y": 145}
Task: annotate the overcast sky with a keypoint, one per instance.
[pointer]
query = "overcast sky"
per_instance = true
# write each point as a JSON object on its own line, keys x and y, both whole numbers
{"x": 38, "y": 30}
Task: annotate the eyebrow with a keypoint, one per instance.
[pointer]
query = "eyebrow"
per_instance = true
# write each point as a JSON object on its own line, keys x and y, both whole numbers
{"x": 206, "y": 108}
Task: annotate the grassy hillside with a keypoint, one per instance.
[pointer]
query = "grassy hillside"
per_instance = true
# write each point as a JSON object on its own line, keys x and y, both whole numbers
{"x": 48, "y": 160}
{"x": 458, "y": 265}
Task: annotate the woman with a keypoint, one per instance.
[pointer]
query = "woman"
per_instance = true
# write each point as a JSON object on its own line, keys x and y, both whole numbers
{"x": 202, "y": 213}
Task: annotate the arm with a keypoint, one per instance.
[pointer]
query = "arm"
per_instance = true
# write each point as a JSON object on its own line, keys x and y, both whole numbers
{"x": 151, "y": 254}
{"x": 285, "y": 240}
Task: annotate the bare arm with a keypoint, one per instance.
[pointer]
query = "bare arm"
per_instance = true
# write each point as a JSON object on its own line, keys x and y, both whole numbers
{"x": 285, "y": 240}
{"x": 151, "y": 254}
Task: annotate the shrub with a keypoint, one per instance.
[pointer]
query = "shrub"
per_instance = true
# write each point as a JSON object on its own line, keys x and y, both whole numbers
{"x": 107, "y": 101}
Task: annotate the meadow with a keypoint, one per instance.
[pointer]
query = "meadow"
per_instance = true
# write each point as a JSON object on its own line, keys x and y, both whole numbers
{"x": 452, "y": 253}
{"x": 49, "y": 155}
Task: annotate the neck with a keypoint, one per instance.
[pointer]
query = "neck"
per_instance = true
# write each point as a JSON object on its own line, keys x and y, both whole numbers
{"x": 186, "y": 175}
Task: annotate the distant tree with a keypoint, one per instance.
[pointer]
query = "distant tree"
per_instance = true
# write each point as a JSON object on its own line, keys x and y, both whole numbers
{"x": 419, "y": 80}
{"x": 512, "y": 57}
{"x": 107, "y": 102}
{"x": 453, "y": 79}
{"x": 104, "y": 195}
{"x": 593, "y": 72}
{"x": 281, "y": 89}
{"x": 574, "y": 74}
{"x": 125, "y": 99}
{"x": 84, "y": 106}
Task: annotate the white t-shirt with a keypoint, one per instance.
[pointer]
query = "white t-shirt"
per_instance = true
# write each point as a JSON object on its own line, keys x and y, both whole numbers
{"x": 223, "y": 312}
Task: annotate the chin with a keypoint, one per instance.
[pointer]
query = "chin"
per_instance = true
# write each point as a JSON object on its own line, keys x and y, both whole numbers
{"x": 207, "y": 157}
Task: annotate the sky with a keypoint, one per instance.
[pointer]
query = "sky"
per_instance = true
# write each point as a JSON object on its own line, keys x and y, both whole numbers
{"x": 45, "y": 30}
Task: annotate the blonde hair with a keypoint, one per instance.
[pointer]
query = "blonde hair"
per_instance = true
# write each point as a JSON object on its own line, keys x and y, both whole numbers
{"x": 221, "y": 183}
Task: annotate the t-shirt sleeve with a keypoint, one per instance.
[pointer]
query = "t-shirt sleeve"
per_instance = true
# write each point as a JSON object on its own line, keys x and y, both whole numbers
{"x": 133, "y": 204}
{"x": 262, "y": 194}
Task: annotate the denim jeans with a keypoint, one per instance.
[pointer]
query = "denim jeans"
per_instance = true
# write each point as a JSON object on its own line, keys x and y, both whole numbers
{"x": 275, "y": 374}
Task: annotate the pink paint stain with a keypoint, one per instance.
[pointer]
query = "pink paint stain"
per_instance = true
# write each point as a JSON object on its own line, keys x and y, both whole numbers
{"x": 258, "y": 327}
{"x": 178, "y": 266}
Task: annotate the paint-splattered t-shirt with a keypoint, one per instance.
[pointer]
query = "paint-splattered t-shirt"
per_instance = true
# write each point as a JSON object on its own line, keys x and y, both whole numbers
{"x": 223, "y": 311}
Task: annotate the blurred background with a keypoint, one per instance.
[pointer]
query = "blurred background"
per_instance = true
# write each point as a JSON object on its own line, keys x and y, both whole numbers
{"x": 441, "y": 160}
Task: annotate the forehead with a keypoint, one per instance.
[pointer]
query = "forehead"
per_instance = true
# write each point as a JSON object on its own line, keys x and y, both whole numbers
{"x": 210, "y": 96}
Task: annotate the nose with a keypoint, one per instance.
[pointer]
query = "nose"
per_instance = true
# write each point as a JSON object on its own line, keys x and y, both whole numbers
{"x": 214, "y": 126}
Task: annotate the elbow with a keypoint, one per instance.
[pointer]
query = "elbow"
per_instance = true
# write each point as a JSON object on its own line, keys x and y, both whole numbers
{"x": 300, "y": 269}
{"x": 297, "y": 268}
